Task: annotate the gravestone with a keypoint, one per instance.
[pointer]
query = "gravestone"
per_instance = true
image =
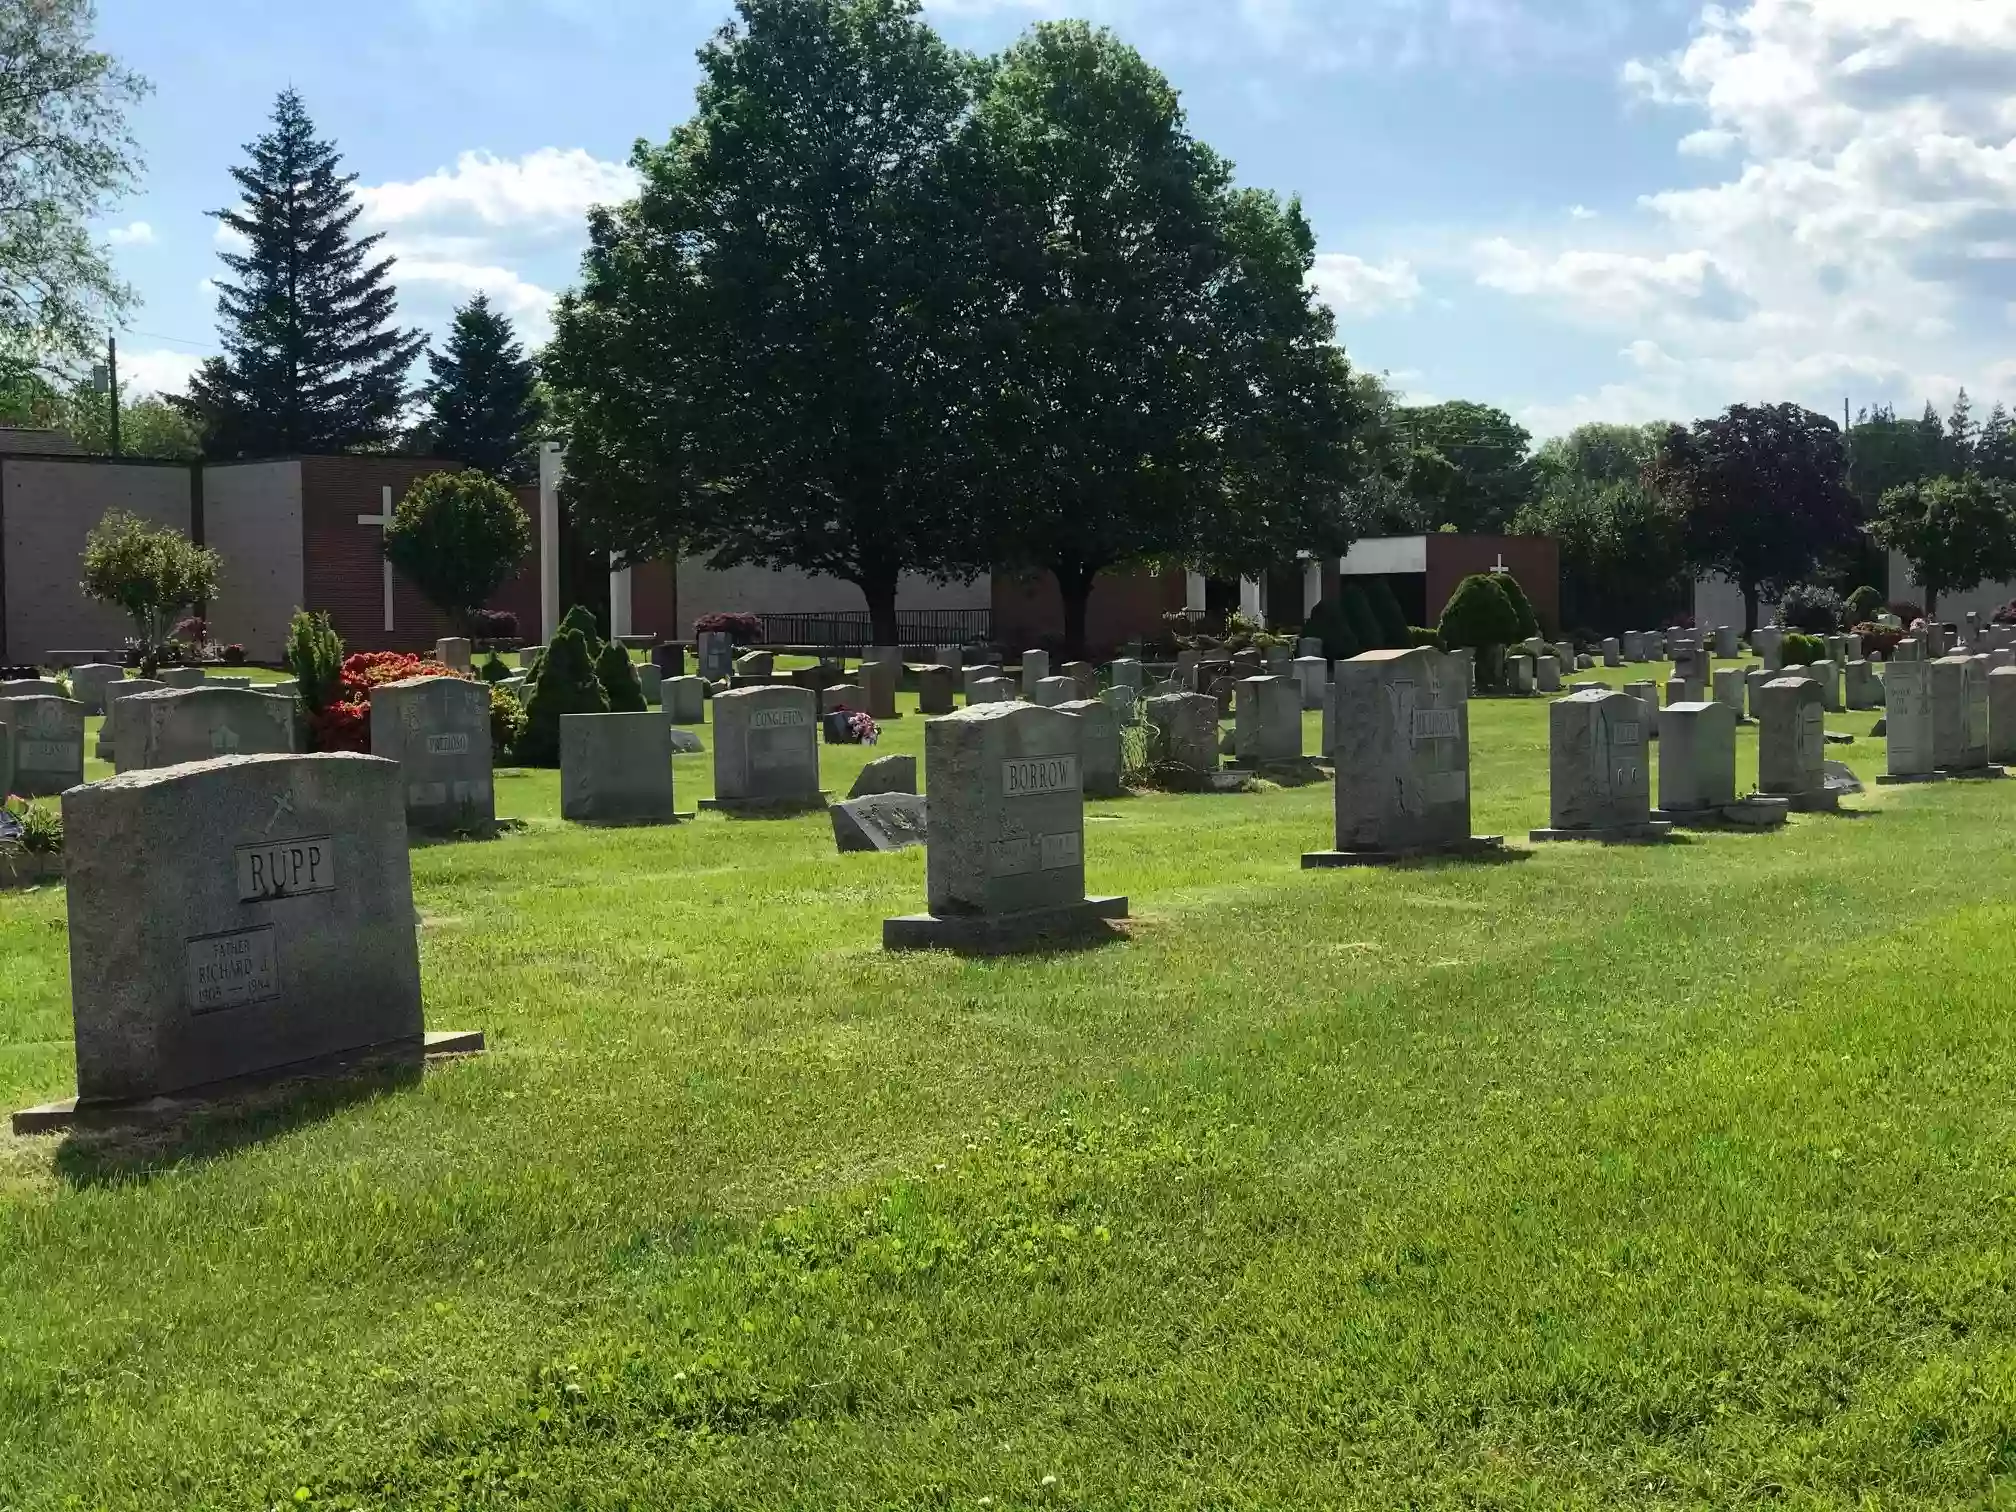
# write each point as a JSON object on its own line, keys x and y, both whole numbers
{"x": 1769, "y": 643}
{"x": 1828, "y": 675}
{"x": 1519, "y": 673}
{"x": 878, "y": 687}
{"x": 883, "y": 822}
{"x": 886, "y": 774}
{"x": 454, "y": 653}
{"x": 616, "y": 769}
{"x": 1697, "y": 771}
{"x": 1633, "y": 646}
{"x": 116, "y": 694}
{"x": 936, "y": 689}
{"x": 1754, "y": 679}
{"x": 178, "y": 725}
{"x": 2002, "y": 715}
{"x": 1185, "y": 746}
{"x": 766, "y": 751}
{"x": 669, "y": 657}
{"x": 1084, "y": 677}
{"x": 1858, "y": 685}
{"x": 1127, "y": 673}
{"x": 1792, "y": 744}
{"x": 1401, "y": 733}
{"x": 48, "y": 740}
{"x": 1312, "y": 675}
{"x": 1613, "y": 652}
{"x": 1726, "y": 647}
{"x": 952, "y": 658}
{"x": 182, "y": 677}
{"x": 1647, "y": 693}
{"x": 89, "y": 683}
{"x": 1098, "y": 747}
{"x": 717, "y": 655}
{"x": 1547, "y": 675}
{"x": 238, "y": 917}
{"x": 1269, "y": 723}
{"x": 1908, "y": 723}
{"x": 1052, "y": 691}
{"x": 1679, "y": 690}
{"x": 850, "y": 696}
{"x": 651, "y": 682}
{"x": 1599, "y": 770}
{"x": 755, "y": 664}
{"x": 1960, "y": 717}
{"x": 985, "y": 690}
{"x": 1006, "y": 858}
{"x": 1123, "y": 701}
{"x": 1691, "y": 666}
{"x": 438, "y": 730}
{"x": 970, "y": 675}
{"x": 1035, "y": 667}
{"x": 683, "y": 700}
{"x": 1729, "y": 691}
{"x": 32, "y": 687}
{"x": 229, "y": 682}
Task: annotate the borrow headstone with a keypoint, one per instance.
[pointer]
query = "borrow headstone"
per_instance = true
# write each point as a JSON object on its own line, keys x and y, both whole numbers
{"x": 766, "y": 751}
{"x": 438, "y": 730}
{"x": 1401, "y": 727}
{"x": 1599, "y": 773}
{"x": 1006, "y": 857}
{"x": 616, "y": 769}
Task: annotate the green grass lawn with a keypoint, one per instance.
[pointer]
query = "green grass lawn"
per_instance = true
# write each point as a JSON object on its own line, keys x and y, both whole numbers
{"x": 1675, "y": 1176}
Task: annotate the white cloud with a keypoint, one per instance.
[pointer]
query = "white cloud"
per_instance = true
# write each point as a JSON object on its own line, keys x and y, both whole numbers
{"x": 552, "y": 188}
{"x": 155, "y": 371}
{"x": 528, "y": 305}
{"x": 1581, "y": 213}
{"x": 136, "y": 234}
{"x": 230, "y": 239}
{"x": 1860, "y": 241}
{"x": 1352, "y": 286}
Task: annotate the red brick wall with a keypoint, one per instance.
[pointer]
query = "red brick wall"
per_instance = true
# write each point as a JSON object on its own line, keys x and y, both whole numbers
{"x": 1534, "y": 560}
{"x": 1126, "y": 604}
{"x": 343, "y": 564}
{"x": 654, "y": 601}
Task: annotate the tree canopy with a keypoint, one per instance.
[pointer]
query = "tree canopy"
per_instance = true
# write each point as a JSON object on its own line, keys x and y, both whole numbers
{"x": 1620, "y": 547}
{"x": 1471, "y": 468}
{"x": 484, "y": 408}
{"x": 1956, "y": 533}
{"x": 312, "y": 361}
{"x": 65, "y": 157}
{"x": 458, "y": 537}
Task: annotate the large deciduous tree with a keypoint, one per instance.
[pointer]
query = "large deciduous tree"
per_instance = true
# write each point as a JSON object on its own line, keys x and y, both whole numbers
{"x": 1620, "y": 547}
{"x": 312, "y": 360}
{"x": 65, "y": 156}
{"x": 483, "y": 403}
{"x": 1155, "y": 378}
{"x": 760, "y": 362}
{"x": 1761, "y": 495}
{"x": 1956, "y": 533}
{"x": 1485, "y": 472}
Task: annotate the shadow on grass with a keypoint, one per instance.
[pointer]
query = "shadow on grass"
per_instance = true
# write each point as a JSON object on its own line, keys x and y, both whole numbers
{"x": 178, "y": 1133}
{"x": 474, "y": 836}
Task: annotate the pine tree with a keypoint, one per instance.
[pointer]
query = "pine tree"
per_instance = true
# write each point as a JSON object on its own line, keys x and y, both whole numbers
{"x": 1961, "y": 434}
{"x": 312, "y": 361}
{"x": 483, "y": 404}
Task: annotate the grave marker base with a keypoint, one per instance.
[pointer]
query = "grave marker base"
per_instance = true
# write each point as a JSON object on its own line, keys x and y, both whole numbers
{"x": 1476, "y": 846}
{"x": 60, "y": 1117}
{"x": 1620, "y": 834}
{"x": 1973, "y": 774}
{"x": 1909, "y": 778}
{"x": 1811, "y": 803}
{"x": 767, "y": 808}
{"x": 1004, "y": 934}
{"x": 1746, "y": 813}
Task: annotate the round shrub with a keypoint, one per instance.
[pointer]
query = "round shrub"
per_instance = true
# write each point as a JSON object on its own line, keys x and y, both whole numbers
{"x": 1387, "y": 615}
{"x": 458, "y": 537}
{"x": 1803, "y": 650}
{"x": 1906, "y": 611}
{"x": 1522, "y": 606}
{"x": 567, "y": 685}
{"x": 507, "y": 722}
{"x": 1863, "y": 605}
{"x": 1813, "y": 609}
{"x": 1478, "y": 617}
{"x": 1329, "y": 624}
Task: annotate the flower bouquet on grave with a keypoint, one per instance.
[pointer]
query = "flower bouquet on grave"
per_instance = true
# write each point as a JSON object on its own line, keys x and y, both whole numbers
{"x": 844, "y": 726}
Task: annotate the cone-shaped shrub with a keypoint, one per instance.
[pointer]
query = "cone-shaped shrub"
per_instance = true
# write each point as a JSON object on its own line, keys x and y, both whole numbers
{"x": 1388, "y": 615}
{"x": 1522, "y": 606}
{"x": 619, "y": 681}
{"x": 1358, "y": 613}
{"x": 1332, "y": 626}
{"x": 1480, "y": 616}
{"x": 567, "y": 685}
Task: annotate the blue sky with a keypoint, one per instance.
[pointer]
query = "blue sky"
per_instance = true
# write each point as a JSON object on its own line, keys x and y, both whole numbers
{"x": 1574, "y": 209}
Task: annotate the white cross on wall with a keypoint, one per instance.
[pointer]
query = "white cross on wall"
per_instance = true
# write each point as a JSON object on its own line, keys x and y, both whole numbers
{"x": 382, "y": 519}
{"x": 1501, "y": 567}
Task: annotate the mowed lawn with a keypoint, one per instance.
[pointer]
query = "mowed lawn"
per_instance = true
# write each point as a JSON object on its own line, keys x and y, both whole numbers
{"x": 1675, "y": 1176}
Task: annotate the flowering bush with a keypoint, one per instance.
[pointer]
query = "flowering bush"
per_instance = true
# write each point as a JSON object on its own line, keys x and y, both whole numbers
{"x": 33, "y": 828}
{"x": 341, "y": 727}
{"x": 344, "y": 724}
{"x": 1878, "y": 639}
{"x": 193, "y": 631}
{"x": 745, "y": 629}
{"x": 234, "y": 655}
{"x": 507, "y": 721}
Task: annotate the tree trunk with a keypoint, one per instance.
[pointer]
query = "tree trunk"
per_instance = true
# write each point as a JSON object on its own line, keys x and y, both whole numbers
{"x": 879, "y": 589}
{"x": 1074, "y": 586}
{"x": 1749, "y": 609}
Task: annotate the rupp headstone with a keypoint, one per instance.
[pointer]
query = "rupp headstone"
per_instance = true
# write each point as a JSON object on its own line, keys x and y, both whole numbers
{"x": 236, "y": 918}
{"x": 438, "y": 730}
{"x": 1006, "y": 857}
{"x": 1402, "y": 749}
{"x": 766, "y": 751}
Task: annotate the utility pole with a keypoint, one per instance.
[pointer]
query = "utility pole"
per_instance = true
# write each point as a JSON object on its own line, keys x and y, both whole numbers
{"x": 112, "y": 372}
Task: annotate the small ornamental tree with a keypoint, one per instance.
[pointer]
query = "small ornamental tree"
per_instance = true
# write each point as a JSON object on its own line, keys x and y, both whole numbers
{"x": 619, "y": 681}
{"x": 458, "y": 537}
{"x": 567, "y": 685}
{"x": 1479, "y": 617}
{"x": 153, "y": 574}
{"x": 1529, "y": 622}
{"x": 315, "y": 657}
{"x": 1864, "y": 604}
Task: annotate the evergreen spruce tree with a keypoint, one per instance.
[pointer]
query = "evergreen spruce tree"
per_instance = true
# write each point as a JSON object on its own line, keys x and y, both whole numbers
{"x": 312, "y": 361}
{"x": 568, "y": 685}
{"x": 483, "y": 404}
{"x": 618, "y": 677}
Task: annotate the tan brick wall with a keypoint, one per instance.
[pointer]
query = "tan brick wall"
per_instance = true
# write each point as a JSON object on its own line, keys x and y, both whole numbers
{"x": 252, "y": 517}
{"x": 47, "y": 507}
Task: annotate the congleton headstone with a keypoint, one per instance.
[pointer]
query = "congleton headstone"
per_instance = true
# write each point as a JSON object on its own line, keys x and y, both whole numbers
{"x": 766, "y": 751}
{"x": 1006, "y": 858}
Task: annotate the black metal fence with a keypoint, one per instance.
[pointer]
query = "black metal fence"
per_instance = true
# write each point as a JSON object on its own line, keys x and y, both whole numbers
{"x": 852, "y": 631}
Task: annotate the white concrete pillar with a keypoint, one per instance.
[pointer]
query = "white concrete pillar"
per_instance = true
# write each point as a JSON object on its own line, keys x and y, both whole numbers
{"x": 619, "y": 598}
{"x": 1252, "y": 601}
{"x": 1312, "y": 587}
{"x": 552, "y": 467}
{"x": 1193, "y": 592}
